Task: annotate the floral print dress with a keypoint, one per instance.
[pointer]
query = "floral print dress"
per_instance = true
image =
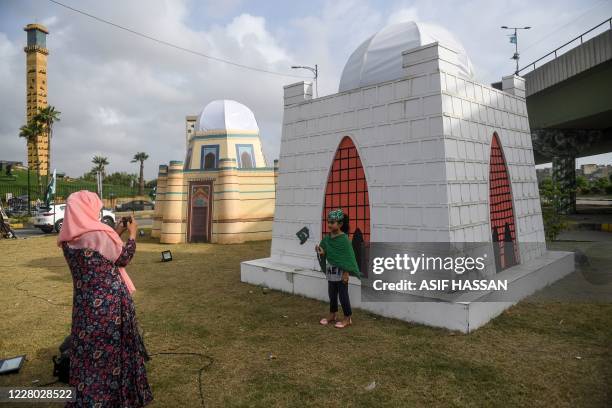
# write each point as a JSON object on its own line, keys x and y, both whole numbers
{"x": 107, "y": 353}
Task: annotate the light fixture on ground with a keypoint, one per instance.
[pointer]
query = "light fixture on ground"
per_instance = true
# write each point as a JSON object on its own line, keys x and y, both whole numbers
{"x": 166, "y": 256}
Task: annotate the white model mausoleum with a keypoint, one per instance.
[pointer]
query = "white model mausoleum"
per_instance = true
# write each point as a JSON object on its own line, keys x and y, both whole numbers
{"x": 414, "y": 150}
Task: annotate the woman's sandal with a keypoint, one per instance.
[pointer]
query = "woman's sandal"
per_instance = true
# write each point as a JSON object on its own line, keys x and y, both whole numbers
{"x": 342, "y": 324}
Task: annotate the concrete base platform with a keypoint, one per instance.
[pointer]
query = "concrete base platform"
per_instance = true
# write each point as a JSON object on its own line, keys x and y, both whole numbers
{"x": 469, "y": 312}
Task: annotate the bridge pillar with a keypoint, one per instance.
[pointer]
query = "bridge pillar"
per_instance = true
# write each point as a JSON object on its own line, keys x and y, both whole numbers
{"x": 564, "y": 174}
{"x": 562, "y": 146}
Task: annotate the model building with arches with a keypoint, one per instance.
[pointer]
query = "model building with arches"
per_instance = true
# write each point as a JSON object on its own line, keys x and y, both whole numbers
{"x": 415, "y": 150}
{"x": 224, "y": 191}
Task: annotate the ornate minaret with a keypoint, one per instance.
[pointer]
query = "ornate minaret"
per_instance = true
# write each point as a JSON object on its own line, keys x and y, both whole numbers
{"x": 36, "y": 92}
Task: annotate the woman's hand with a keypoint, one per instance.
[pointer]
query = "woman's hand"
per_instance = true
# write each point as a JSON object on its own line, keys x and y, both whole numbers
{"x": 320, "y": 250}
{"x": 132, "y": 227}
{"x": 345, "y": 276}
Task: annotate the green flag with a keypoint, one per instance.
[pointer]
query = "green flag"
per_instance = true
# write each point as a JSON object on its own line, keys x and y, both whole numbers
{"x": 50, "y": 194}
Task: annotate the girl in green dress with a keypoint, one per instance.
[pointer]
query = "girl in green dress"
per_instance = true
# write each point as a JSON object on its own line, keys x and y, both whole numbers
{"x": 337, "y": 260}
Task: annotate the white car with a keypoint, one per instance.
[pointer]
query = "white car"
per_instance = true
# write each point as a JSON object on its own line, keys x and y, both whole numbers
{"x": 52, "y": 219}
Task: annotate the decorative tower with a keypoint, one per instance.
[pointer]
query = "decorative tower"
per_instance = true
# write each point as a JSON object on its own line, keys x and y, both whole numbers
{"x": 36, "y": 92}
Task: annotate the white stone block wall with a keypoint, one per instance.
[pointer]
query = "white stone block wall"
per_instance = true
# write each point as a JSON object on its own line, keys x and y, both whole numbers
{"x": 472, "y": 114}
{"x": 424, "y": 141}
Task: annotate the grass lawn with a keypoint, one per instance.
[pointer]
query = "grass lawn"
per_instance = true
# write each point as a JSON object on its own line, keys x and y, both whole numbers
{"x": 545, "y": 354}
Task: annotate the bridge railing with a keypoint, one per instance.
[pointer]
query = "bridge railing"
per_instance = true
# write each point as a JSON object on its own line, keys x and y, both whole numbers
{"x": 556, "y": 50}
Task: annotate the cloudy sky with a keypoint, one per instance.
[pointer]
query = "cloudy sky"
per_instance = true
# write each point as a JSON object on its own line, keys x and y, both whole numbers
{"x": 120, "y": 94}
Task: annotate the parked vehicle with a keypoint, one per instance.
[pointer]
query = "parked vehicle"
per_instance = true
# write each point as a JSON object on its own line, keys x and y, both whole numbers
{"x": 52, "y": 218}
{"x": 136, "y": 205}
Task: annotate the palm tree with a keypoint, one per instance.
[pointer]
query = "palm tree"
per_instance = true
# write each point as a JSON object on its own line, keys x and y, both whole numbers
{"x": 30, "y": 132}
{"x": 140, "y": 157}
{"x": 46, "y": 117}
{"x": 99, "y": 164}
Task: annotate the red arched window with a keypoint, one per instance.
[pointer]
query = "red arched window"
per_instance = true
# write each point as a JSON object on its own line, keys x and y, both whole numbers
{"x": 503, "y": 228}
{"x": 347, "y": 189}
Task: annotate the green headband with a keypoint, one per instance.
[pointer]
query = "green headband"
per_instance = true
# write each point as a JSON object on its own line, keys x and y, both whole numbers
{"x": 335, "y": 215}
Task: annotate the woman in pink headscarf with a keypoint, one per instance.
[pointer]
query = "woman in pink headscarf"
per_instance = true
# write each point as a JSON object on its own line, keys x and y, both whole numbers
{"x": 106, "y": 351}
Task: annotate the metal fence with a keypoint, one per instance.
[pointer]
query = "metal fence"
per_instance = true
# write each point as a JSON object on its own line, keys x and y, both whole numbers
{"x": 15, "y": 197}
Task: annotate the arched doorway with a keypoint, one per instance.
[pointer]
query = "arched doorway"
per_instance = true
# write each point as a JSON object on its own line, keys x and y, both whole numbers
{"x": 503, "y": 228}
{"x": 200, "y": 211}
{"x": 347, "y": 188}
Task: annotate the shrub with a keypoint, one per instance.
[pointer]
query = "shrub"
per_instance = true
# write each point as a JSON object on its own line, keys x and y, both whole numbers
{"x": 554, "y": 221}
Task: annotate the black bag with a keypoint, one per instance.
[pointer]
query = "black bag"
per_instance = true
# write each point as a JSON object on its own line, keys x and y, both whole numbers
{"x": 61, "y": 364}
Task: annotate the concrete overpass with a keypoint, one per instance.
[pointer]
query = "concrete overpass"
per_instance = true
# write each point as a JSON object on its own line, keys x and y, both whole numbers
{"x": 569, "y": 100}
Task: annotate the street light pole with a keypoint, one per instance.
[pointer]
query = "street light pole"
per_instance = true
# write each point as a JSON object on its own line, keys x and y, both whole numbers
{"x": 514, "y": 39}
{"x": 315, "y": 72}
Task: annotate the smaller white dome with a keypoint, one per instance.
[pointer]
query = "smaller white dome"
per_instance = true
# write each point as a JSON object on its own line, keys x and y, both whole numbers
{"x": 225, "y": 114}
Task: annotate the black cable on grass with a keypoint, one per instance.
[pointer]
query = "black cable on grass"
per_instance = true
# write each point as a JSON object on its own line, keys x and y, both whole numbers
{"x": 170, "y": 353}
{"x": 209, "y": 363}
{"x": 27, "y": 292}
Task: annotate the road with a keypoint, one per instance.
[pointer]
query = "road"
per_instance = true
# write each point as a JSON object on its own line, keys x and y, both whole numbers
{"x": 35, "y": 232}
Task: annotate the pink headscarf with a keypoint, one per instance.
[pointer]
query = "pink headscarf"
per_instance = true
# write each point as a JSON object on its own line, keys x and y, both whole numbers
{"x": 82, "y": 228}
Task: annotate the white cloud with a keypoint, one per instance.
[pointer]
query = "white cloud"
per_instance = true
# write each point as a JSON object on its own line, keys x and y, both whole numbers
{"x": 404, "y": 14}
{"x": 250, "y": 32}
{"x": 107, "y": 116}
{"x": 50, "y": 22}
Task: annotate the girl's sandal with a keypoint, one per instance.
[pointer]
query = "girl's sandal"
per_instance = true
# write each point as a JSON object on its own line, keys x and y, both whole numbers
{"x": 325, "y": 321}
{"x": 343, "y": 324}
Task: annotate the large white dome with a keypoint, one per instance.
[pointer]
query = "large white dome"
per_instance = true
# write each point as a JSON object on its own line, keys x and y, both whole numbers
{"x": 225, "y": 114}
{"x": 379, "y": 58}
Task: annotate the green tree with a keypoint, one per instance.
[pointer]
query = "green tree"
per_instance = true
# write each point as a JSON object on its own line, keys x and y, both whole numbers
{"x": 140, "y": 157}
{"x": 582, "y": 184}
{"x": 121, "y": 179}
{"x": 554, "y": 221}
{"x": 30, "y": 132}
{"x": 46, "y": 117}
{"x": 546, "y": 182}
{"x": 100, "y": 164}
{"x": 602, "y": 184}
{"x": 89, "y": 176}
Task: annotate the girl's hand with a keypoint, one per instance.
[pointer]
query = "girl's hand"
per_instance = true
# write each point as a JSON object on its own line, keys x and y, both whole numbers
{"x": 320, "y": 250}
{"x": 345, "y": 276}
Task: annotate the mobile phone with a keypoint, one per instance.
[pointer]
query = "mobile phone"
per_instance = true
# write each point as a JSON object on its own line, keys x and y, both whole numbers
{"x": 125, "y": 221}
